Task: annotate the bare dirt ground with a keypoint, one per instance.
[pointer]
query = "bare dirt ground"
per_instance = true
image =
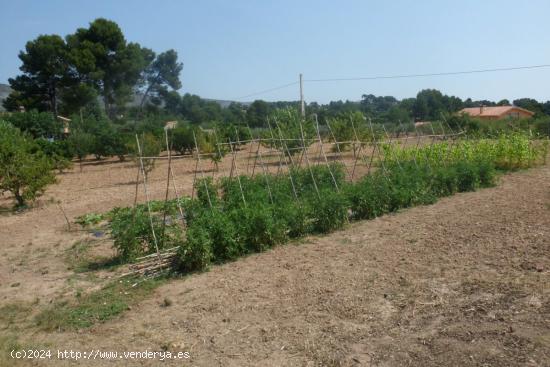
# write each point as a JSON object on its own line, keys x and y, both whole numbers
{"x": 463, "y": 282}
{"x": 33, "y": 244}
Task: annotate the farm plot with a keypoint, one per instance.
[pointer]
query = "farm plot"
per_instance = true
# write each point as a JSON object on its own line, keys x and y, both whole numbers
{"x": 240, "y": 214}
{"x": 229, "y": 213}
{"x": 460, "y": 282}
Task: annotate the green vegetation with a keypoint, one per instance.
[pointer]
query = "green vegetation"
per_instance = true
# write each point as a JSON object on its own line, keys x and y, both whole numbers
{"x": 13, "y": 314}
{"x": 80, "y": 259}
{"x": 97, "y": 306}
{"x": 232, "y": 218}
{"x": 24, "y": 170}
{"x": 506, "y": 152}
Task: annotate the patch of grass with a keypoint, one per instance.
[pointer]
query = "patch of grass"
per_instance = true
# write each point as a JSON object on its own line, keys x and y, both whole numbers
{"x": 79, "y": 259}
{"x": 13, "y": 314}
{"x": 99, "y": 306}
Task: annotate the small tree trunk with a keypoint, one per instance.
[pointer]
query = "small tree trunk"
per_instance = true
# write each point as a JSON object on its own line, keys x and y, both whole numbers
{"x": 52, "y": 91}
{"x": 19, "y": 198}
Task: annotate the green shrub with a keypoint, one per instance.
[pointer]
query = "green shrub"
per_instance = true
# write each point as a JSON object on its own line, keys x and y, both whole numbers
{"x": 486, "y": 173}
{"x": 444, "y": 181}
{"x": 24, "y": 169}
{"x": 196, "y": 253}
{"x": 37, "y": 124}
{"x": 132, "y": 234}
{"x": 409, "y": 186}
{"x": 258, "y": 227}
{"x": 59, "y": 152}
{"x": 369, "y": 197}
{"x": 223, "y": 236}
{"x": 207, "y": 192}
{"x": 331, "y": 212}
{"x": 468, "y": 176}
{"x": 296, "y": 216}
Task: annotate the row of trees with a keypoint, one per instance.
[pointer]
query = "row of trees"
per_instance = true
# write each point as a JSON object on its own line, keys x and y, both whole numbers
{"x": 65, "y": 74}
{"x": 428, "y": 105}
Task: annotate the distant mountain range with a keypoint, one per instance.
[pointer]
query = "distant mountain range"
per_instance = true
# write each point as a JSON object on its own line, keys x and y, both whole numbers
{"x": 5, "y": 90}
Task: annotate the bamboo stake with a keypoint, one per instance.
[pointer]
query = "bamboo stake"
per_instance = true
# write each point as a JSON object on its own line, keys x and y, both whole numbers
{"x": 265, "y": 175}
{"x": 340, "y": 155}
{"x": 307, "y": 161}
{"x": 390, "y": 147}
{"x": 279, "y": 169}
{"x": 180, "y": 209}
{"x": 451, "y": 145}
{"x": 237, "y": 173}
{"x": 137, "y": 186}
{"x": 167, "y": 187}
{"x": 283, "y": 142}
{"x": 257, "y": 151}
{"x": 359, "y": 149}
{"x": 250, "y": 149}
{"x": 195, "y": 177}
{"x": 377, "y": 146}
{"x": 324, "y": 155}
{"x": 417, "y": 145}
{"x": 147, "y": 196}
{"x": 283, "y": 147}
{"x": 202, "y": 171}
{"x": 407, "y": 137}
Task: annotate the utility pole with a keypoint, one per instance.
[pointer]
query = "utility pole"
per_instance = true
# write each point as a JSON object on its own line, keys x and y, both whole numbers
{"x": 302, "y": 105}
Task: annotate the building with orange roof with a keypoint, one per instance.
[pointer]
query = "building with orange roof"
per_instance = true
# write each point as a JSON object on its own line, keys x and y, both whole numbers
{"x": 497, "y": 113}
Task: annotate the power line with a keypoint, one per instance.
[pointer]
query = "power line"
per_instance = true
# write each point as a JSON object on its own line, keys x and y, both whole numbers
{"x": 430, "y": 74}
{"x": 267, "y": 90}
{"x": 402, "y": 76}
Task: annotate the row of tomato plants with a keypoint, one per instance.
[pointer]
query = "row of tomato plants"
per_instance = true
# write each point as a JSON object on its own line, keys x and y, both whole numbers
{"x": 235, "y": 217}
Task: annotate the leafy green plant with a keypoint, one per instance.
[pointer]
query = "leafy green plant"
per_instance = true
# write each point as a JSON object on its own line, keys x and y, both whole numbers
{"x": 132, "y": 234}
{"x": 297, "y": 217}
{"x": 207, "y": 191}
{"x": 258, "y": 227}
{"x": 222, "y": 233}
{"x": 24, "y": 170}
{"x": 196, "y": 253}
{"x": 90, "y": 219}
{"x": 331, "y": 212}
{"x": 369, "y": 197}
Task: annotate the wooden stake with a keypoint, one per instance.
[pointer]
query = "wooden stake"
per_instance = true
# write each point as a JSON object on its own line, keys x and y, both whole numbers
{"x": 337, "y": 144}
{"x": 324, "y": 155}
{"x": 237, "y": 173}
{"x": 167, "y": 187}
{"x": 307, "y": 161}
{"x": 202, "y": 171}
{"x": 357, "y": 156}
{"x": 147, "y": 197}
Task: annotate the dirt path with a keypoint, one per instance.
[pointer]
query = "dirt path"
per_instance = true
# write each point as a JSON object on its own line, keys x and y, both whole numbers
{"x": 464, "y": 282}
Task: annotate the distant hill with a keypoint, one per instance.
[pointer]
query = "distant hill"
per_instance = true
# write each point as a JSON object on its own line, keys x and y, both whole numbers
{"x": 226, "y": 103}
{"x": 5, "y": 90}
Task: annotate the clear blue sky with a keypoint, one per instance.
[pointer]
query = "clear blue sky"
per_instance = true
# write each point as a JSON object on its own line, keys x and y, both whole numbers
{"x": 234, "y": 48}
